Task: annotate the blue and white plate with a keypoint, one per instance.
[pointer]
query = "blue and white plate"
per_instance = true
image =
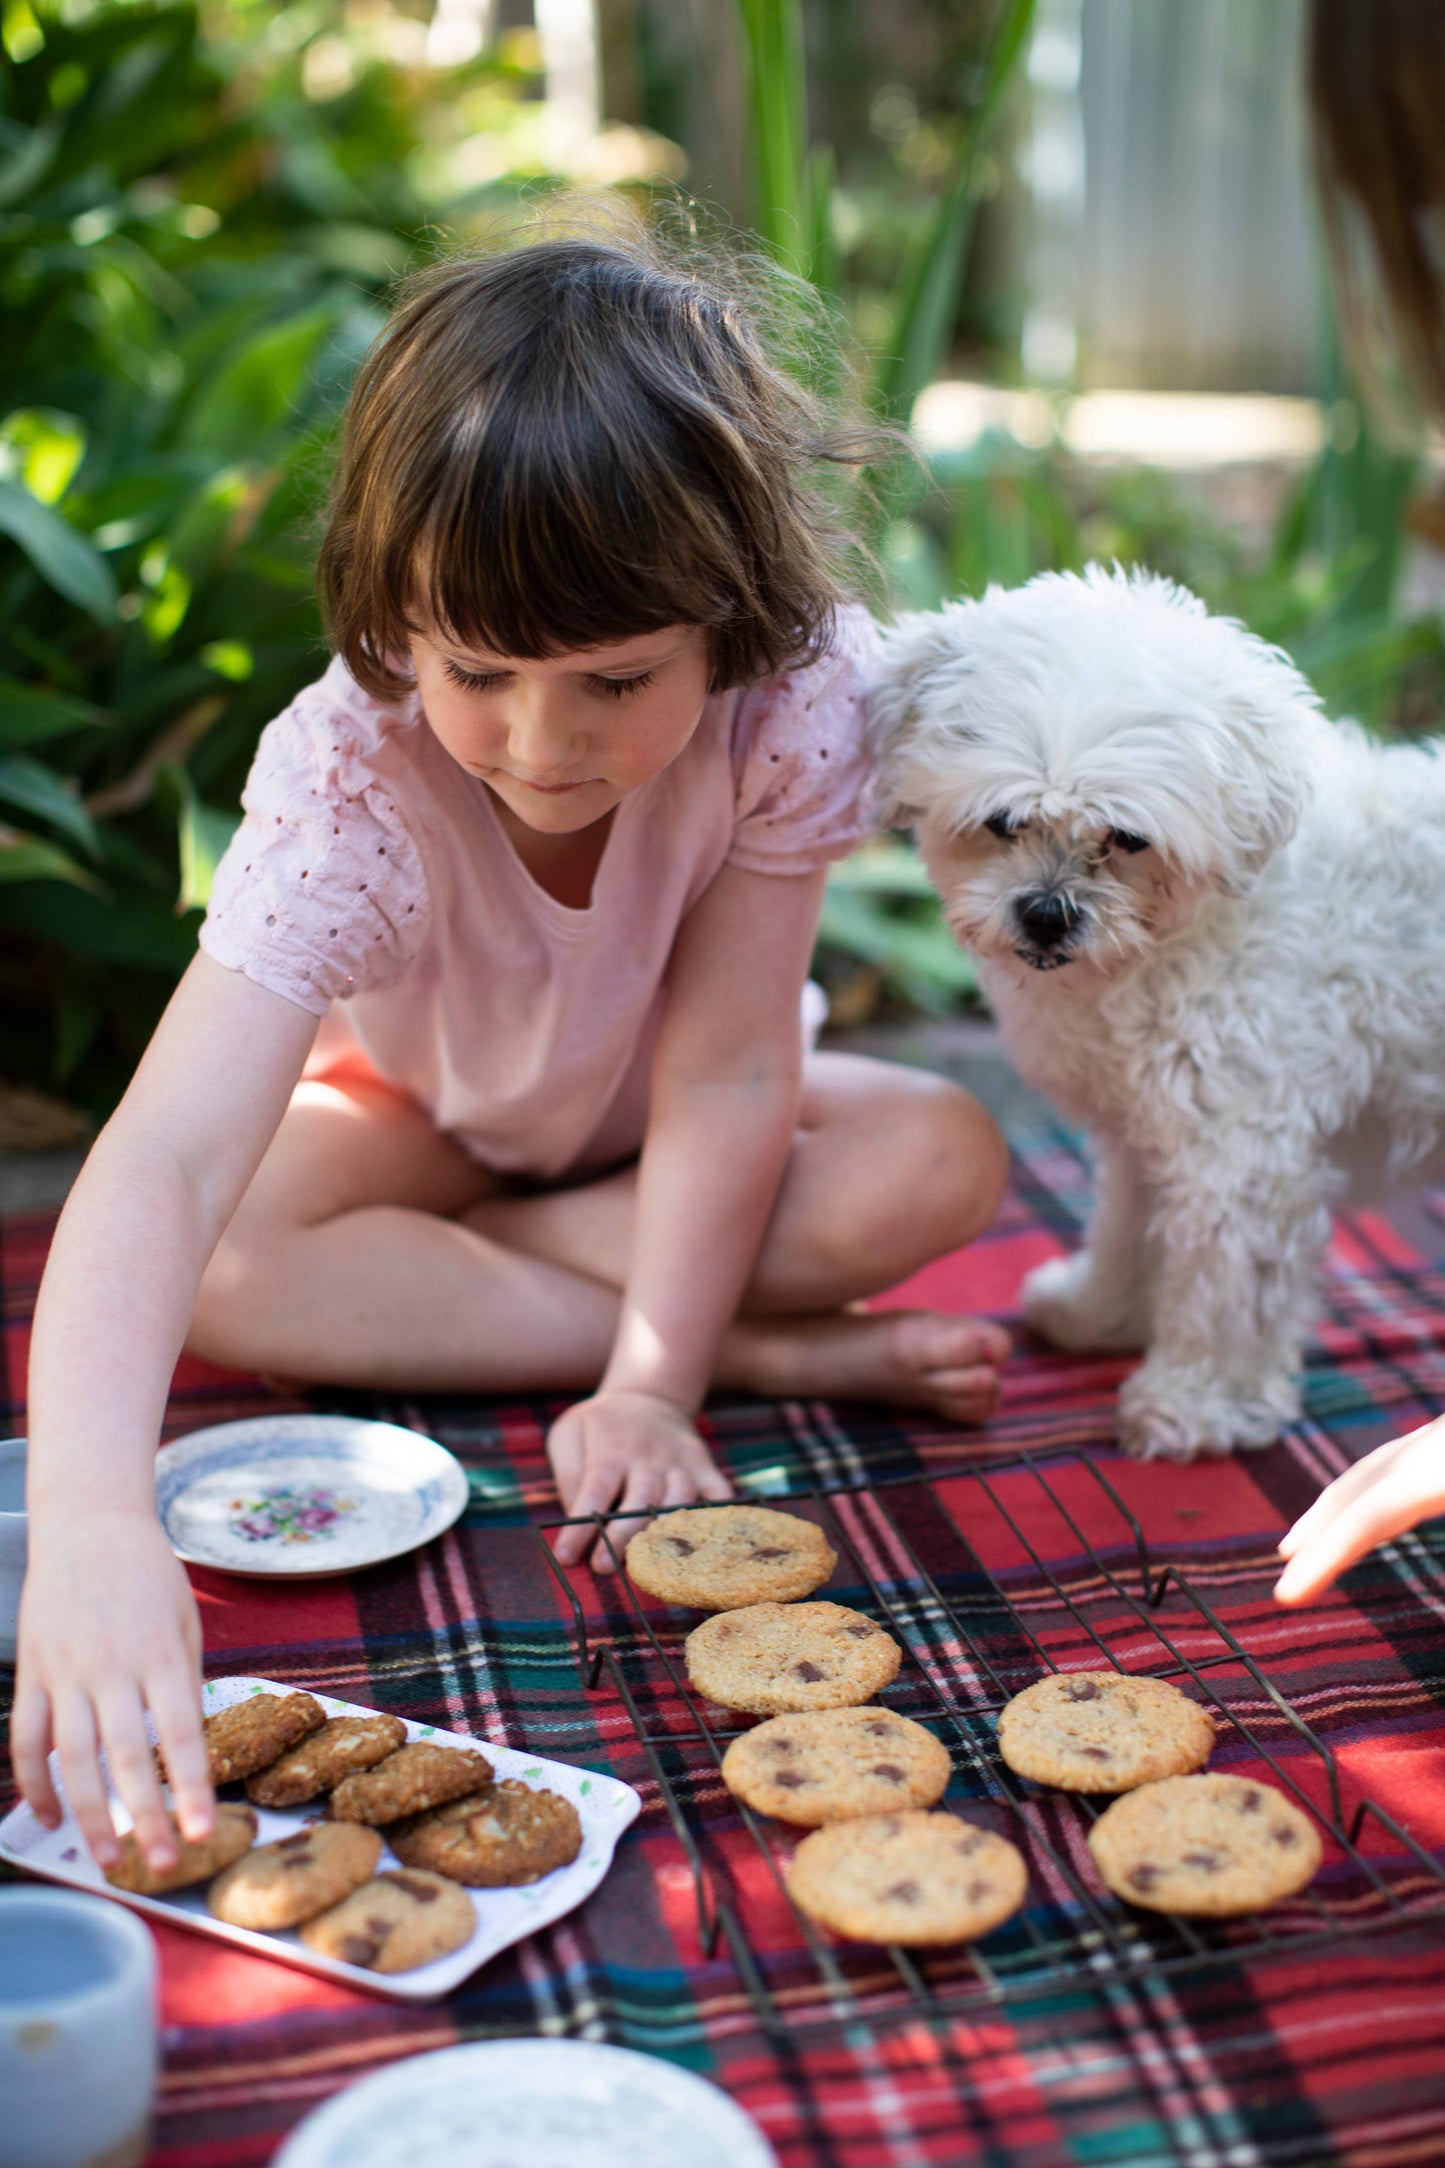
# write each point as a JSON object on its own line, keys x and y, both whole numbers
{"x": 305, "y": 1496}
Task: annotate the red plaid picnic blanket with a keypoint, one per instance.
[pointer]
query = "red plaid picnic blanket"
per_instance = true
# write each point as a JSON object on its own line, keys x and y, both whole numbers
{"x": 1327, "y": 2052}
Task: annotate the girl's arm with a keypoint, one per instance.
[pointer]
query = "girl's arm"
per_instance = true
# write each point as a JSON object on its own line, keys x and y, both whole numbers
{"x": 108, "y": 1625}
{"x": 725, "y": 1088}
{"x": 1384, "y": 1494}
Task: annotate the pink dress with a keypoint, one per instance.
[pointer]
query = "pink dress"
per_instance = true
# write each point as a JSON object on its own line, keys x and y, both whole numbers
{"x": 371, "y": 870}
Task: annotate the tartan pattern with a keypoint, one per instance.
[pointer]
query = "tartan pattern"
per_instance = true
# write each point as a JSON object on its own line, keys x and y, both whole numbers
{"x": 1310, "y": 2058}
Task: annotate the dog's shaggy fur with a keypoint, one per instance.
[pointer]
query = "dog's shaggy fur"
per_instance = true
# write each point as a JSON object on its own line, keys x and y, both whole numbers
{"x": 1212, "y": 927}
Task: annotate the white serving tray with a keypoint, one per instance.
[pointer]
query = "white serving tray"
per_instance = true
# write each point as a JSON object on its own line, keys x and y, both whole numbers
{"x": 504, "y": 1916}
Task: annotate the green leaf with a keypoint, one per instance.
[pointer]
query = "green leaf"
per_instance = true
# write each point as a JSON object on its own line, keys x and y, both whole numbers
{"x": 43, "y": 449}
{"x": 777, "y": 99}
{"x": 259, "y": 389}
{"x": 204, "y": 832}
{"x": 882, "y": 869}
{"x": 113, "y": 929}
{"x": 64, "y": 558}
{"x": 31, "y": 858}
{"x": 36, "y": 789}
{"x": 28, "y": 714}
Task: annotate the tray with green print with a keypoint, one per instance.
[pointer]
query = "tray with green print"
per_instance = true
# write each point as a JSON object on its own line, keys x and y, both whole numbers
{"x": 305, "y": 1496}
{"x": 605, "y": 1807}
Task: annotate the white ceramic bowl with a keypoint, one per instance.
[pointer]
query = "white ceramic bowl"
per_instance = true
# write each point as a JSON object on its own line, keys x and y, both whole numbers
{"x": 78, "y": 2040}
{"x": 12, "y": 1541}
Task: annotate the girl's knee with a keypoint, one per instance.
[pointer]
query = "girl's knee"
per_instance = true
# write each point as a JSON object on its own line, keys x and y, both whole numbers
{"x": 957, "y": 1161}
{"x": 228, "y": 1321}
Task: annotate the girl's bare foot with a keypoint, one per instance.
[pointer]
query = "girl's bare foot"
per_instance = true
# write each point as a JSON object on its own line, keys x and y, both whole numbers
{"x": 919, "y": 1358}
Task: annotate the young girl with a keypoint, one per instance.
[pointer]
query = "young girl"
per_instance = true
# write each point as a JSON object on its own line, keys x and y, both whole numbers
{"x": 542, "y": 854}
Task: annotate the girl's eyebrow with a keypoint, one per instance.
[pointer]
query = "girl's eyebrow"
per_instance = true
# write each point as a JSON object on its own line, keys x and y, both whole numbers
{"x": 499, "y": 664}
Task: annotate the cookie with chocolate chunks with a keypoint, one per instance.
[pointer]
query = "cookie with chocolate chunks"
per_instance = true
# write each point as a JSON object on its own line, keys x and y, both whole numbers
{"x": 342, "y": 1746}
{"x": 829, "y": 1765}
{"x": 275, "y": 1886}
{"x": 908, "y": 1878}
{"x": 395, "y": 1923}
{"x": 1103, "y": 1731}
{"x": 1208, "y": 1846}
{"x": 721, "y": 1558}
{"x": 772, "y": 1658}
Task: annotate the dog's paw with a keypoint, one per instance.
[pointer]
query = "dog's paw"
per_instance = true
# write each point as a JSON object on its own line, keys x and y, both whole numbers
{"x": 1186, "y": 1413}
{"x": 1069, "y": 1304}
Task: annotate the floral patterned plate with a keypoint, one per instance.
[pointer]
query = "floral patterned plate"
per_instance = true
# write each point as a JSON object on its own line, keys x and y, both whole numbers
{"x": 304, "y": 1496}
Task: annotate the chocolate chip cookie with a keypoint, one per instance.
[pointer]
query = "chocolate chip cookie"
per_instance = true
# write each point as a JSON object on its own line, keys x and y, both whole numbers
{"x": 278, "y": 1885}
{"x": 828, "y": 1765}
{"x": 495, "y": 1839}
{"x": 772, "y": 1658}
{"x": 343, "y": 1745}
{"x": 909, "y": 1878}
{"x": 1209, "y": 1846}
{"x": 1103, "y": 1731}
{"x": 395, "y": 1923}
{"x": 410, "y": 1781}
{"x": 719, "y": 1558}
{"x": 234, "y": 1833}
{"x": 251, "y": 1733}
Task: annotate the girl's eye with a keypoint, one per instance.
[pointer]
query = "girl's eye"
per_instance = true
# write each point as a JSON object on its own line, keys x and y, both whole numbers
{"x": 999, "y": 824}
{"x": 1124, "y": 839}
{"x": 619, "y": 688}
{"x": 475, "y": 681}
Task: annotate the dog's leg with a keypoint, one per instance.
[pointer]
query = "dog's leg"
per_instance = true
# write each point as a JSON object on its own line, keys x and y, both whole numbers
{"x": 1099, "y": 1297}
{"x": 1242, "y": 1223}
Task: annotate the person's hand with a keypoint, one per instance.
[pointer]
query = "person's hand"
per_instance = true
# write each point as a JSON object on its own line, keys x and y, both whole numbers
{"x": 109, "y": 1629}
{"x": 635, "y": 1450}
{"x": 1384, "y": 1494}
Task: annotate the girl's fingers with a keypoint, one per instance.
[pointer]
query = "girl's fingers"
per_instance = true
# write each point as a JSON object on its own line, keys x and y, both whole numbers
{"x": 712, "y": 1482}
{"x": 30, "y": 1744}
{"x": 598, "y": 1488}
{"x": 1386, "y": 1510}
{"x": 174, "y": 1701}
{"x": 75, "y": 1742}
{"x": 646, "y": 1487}
{"x": 1342, "y": 1492}
{"x": 133, "y": 1773}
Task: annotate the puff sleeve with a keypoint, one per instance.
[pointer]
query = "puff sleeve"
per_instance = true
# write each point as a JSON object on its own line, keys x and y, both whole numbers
{"x": 801, "y": 760}
{"x": 322, "y": 891}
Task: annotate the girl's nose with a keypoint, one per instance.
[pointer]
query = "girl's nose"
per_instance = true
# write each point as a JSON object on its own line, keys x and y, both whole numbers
{"x": 542, "y": 737}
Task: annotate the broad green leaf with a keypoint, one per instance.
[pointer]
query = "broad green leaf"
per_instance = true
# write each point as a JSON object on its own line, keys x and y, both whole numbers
{"x": 29, "y": 714}
{"x": 42, "y": 449}
{"x": 231, "y": 659}
{"x": 259, "y": 389}
{"x": 111, "y": 929}
{"x": 63, "y": 557}
{"x": 777, "y": 101}
{"x": 204, "y": 831}
{"x": 38, "y": 790}
{"x": 885, "y": 868}
{"x": 32, "y": 858}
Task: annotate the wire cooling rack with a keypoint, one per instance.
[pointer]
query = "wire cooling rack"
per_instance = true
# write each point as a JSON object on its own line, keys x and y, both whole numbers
{"x": 948, "y": 1564}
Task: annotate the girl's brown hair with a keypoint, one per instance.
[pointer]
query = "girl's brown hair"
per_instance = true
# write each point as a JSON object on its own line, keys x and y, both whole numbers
{"x": 1377, "y": 86}
{"x": 569, "y": 443}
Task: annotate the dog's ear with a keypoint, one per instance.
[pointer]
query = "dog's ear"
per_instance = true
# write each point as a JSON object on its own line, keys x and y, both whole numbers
{"x": 916, "y": 651}
{"x": 1273, "y": 740}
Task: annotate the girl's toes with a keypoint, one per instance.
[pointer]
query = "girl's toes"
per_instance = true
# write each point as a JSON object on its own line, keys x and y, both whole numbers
{"x": 964, "y": 1396}
{"x": 930, "y": 1341}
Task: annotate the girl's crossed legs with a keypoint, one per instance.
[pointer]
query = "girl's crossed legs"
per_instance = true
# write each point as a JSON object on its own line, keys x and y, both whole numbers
{"x": 370, "y": 1250}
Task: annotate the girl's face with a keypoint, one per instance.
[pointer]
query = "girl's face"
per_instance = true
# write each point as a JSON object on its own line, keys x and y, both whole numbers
{"x": 562, "y": 741}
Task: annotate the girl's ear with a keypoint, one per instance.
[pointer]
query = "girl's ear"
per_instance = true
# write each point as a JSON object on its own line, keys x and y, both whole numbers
{"x": 917, "y": 652}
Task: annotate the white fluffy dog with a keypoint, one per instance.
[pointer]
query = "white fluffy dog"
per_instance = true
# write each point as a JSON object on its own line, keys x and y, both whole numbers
{"x": 1212, "y": 927}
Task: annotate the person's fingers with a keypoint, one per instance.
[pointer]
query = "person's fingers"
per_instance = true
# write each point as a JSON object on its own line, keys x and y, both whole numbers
{"x": 174, "y": 1700}
{"x": 30, "y": 1744}
{"x": 565, "y": 1451}
{"x": 133, "y": 1773}
{"x": 678, "y": 1488}
{"x": 1386, "y": 1510}
{"x": 712, "y": 1481}
{"x": 646, "y": 1486}
{"x": 600, "y": 1484}
{"x": 75, "y": 1742}
{"x": 1342, "y": 1492}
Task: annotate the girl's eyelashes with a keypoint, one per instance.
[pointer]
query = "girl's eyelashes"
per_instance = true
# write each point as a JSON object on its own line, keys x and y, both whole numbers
{"x": 486, "y": 681}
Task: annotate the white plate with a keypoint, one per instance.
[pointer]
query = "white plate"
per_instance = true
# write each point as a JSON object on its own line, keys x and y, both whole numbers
{"x": 504, "y": 1916}
{"x": 545, "y": 2103}
{"x": 305, "y": 1495}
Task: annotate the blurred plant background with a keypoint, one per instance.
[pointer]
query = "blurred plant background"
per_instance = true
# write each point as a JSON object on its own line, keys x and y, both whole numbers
{"x": 203, "y": 206}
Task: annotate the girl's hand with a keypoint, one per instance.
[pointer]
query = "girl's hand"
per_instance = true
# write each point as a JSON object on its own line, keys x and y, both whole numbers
{"x": 633, "y": 1449}
{"x": 109, "y": 1629}
{"x": 1386, "y": 1493}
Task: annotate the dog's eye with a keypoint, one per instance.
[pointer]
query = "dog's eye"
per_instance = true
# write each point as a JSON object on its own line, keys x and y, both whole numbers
{"x": 1123, "y": 839}
{"x": 999, "y": 824}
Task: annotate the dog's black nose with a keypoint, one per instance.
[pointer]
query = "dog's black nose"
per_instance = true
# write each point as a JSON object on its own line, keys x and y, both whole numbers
{"x": 1047, "y": 919}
